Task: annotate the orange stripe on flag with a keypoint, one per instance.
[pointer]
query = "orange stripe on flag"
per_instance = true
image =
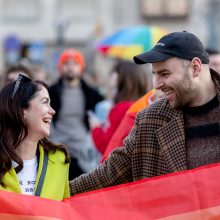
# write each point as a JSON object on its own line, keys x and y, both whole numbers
{"x": 24, "y": 217}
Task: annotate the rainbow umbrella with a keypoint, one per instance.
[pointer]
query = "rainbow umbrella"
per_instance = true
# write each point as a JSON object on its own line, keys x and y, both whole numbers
{"x": 128, "y": 42}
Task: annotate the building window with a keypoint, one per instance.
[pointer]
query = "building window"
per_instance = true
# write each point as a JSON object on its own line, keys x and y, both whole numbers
{"x": 165, "y": 8}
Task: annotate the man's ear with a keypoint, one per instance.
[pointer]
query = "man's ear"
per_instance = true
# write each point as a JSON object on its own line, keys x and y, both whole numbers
{"x": 196, "y": 65}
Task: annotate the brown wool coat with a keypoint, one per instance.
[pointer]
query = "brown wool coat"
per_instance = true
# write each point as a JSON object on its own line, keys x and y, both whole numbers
{"x": 155, "y": 146}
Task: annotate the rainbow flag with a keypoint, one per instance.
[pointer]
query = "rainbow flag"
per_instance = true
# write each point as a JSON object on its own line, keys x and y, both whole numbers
{"x": 193, "y": 194}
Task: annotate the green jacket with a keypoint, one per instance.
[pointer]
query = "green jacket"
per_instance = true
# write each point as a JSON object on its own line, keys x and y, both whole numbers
{"x": 56, "y": 184}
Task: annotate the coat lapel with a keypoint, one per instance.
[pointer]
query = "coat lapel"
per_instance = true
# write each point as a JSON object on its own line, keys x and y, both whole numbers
{"x": 171, "y": 138}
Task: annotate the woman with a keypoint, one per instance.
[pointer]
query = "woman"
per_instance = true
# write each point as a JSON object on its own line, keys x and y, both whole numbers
{"x": 29, "y": 163}
{"x": 130, "y": 84}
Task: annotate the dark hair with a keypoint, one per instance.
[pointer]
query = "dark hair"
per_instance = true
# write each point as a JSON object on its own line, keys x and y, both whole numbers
{"x": 132, "y": 81}
{"x": 13, "y": 129}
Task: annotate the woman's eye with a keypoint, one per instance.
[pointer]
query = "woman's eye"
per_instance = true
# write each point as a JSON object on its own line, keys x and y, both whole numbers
{"x": 46, "y": 102}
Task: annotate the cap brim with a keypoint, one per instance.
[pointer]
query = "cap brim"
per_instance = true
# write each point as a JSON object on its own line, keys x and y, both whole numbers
{"x": 152, "y": 56}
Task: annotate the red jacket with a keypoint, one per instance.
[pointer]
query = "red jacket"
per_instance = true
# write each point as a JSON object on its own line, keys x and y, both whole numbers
{"x": 127, "y": 123}
{"x": 102, "y": 135}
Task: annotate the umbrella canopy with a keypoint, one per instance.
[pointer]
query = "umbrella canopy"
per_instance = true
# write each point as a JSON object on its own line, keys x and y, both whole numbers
{"x": 128, "y": 42}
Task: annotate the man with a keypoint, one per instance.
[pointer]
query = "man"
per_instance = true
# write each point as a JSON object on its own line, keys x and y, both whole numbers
{"x": 214, "y": 59}
{"x": 71, "y": 98}
{"x": 176, "y": 133}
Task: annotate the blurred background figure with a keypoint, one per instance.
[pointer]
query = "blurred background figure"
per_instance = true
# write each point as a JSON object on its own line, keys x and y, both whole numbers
{"x": 39, "y": 72}
{"x": 12, "y": 72}
{"x": 71, "y": 98}
{"x": 127, "y": 122}
{"x": 33, "y": 71}
{"x": 130, "y": 82}
{"x": 103, "y": 108}
{"x": 214, "y": 59}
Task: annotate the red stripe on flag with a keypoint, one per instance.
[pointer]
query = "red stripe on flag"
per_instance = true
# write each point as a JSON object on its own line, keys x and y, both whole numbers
{"x": 157, "y": 197}
{"x": 177, "y": 196}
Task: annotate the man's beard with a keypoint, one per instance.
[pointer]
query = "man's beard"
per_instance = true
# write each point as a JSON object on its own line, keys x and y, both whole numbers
{"x": 71, "y": 78}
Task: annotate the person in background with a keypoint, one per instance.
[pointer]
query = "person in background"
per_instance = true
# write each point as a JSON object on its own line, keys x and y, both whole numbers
{"x": 12, "y": 72}
{"x": 214, "y": 59}
{"x": 176, "y": 133}
{"x": 128, "y": 120}
{"x": 30, "y": 163}
{"x": 130, "y": 84}
{"x": 71, "y": 98}
{"x": 103, "y": 108}
{"x": 39, "y": 72}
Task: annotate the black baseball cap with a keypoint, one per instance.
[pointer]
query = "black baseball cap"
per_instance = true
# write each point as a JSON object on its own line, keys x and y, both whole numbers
{"x": 183, "y": 45}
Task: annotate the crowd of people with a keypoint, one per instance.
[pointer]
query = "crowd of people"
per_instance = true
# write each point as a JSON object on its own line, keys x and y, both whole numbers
{"x": 54, "y": 143}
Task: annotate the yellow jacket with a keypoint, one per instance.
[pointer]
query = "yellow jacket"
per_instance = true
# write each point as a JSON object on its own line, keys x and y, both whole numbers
{"x": 56, "y": 183}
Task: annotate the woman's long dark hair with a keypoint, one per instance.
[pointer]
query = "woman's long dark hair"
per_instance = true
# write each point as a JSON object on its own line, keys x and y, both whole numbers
{"x": 132, "y": 81}
{"x": 13, "y": 129}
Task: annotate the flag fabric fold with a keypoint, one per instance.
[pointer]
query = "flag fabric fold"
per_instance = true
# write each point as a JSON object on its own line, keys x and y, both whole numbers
{"x": 193, "y": 194}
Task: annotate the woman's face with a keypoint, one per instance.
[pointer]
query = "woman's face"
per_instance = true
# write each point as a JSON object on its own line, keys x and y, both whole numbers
{"x": 39, "y": 115}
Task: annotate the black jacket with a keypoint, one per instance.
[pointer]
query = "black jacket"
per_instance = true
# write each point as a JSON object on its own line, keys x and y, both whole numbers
{"x": 92, "y": 97}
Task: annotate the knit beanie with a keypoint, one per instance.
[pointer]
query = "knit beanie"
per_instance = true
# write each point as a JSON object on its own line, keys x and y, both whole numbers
{"x": 71, "y": 54}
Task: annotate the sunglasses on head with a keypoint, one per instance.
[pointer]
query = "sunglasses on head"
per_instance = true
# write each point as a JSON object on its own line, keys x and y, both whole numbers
{"x": 21, "y": 79}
